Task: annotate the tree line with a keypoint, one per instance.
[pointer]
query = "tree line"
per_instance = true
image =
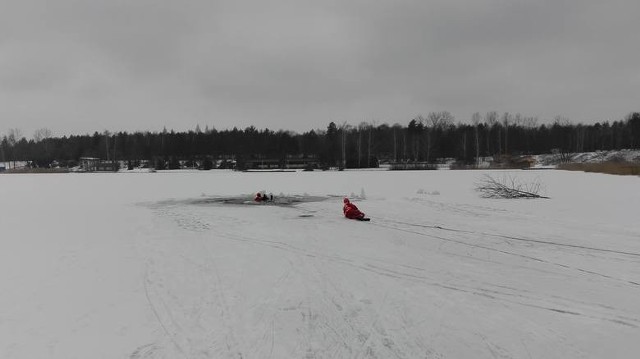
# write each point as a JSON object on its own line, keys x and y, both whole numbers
{"x": 428, "y": 139}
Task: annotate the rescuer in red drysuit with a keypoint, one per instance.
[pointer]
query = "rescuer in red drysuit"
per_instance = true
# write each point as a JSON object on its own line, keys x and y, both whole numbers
{"x": 351, "y": 211}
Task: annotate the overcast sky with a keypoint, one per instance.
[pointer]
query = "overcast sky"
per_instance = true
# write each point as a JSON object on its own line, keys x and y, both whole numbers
{"x": 79, "y": 66}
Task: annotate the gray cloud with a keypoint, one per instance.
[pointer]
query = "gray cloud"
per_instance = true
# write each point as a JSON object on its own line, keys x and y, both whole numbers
{"x": 80, "y": 66}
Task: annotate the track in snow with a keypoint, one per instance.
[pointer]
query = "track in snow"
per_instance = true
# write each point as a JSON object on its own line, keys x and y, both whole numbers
{"x": 260, "y": 292}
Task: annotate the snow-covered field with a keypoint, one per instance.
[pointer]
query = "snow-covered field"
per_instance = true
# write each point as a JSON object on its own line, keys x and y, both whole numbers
{"x": 154, "y": 265}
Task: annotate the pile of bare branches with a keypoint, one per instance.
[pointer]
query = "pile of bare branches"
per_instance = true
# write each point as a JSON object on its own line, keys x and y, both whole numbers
{"x": 507, "y": 187}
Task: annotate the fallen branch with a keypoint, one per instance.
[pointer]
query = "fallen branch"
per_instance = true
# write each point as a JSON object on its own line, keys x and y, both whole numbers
{"x": 507, "y": 187}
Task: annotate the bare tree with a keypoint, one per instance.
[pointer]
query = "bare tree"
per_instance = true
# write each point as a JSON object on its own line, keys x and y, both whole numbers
{"x": 41, "y": 134}
{"x": 395, "y": 145}
{"x": 440, "y": 119}
{"x": 579, "y": 130}
{"x": 2, "y": 155}
{"x": 404, "y": 144}
{"x": 507, "y": 119}
{"x": 491, "y": 118}
{"x": 369, "y": 145}
{"x": 361, "y": 128}
{"x": 107, "y": 134}
{"x": 562, "y": 121}
{"x": 15, "y": 135}
{"x": 344, "y": 128}
{"x": 475, "y": 119}
{"x": 530, "y": 122}
{"x": 464, "y": 145}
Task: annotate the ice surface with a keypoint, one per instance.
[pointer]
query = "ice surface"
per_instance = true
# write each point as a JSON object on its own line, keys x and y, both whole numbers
{"x": 158, "y": 265}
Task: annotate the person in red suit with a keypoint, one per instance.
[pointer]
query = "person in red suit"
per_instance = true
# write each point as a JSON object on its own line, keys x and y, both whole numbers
{"x": 351, "y": 211}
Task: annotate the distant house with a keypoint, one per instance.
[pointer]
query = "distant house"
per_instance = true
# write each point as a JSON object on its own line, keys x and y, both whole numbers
{"x": 88, "y": 164}
{"x": 290, "y": 162}
{"x": 93, "y": 164}
{"x": 412, "y": 166}
{"x": 2, "y": 167}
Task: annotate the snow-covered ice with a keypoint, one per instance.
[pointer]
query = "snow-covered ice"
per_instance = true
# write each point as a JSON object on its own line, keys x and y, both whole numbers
{"x": 154, "y": 265}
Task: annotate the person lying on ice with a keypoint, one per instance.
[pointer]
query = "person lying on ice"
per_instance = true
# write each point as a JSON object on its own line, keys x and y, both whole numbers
{"x": 351, "y": 211}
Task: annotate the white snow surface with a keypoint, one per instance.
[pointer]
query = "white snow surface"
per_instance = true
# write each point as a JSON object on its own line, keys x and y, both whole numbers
{"x": 155, "y": 265}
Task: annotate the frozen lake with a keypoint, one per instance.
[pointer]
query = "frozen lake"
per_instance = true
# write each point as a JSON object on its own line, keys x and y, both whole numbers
{"x": 155, "y": 265}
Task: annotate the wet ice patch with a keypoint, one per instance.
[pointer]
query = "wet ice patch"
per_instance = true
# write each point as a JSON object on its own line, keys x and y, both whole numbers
{"x": 244, "y": 199}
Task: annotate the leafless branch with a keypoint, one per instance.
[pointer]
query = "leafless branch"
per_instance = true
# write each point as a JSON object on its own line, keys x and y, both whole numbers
{"x": 508, "y": 187}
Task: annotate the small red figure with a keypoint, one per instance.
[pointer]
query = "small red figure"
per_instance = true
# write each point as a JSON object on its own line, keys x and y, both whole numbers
{"x": 351, "y": 211}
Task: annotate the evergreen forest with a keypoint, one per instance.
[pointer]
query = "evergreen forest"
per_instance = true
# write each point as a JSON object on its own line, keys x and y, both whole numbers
{"x": 427, "y": 139}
